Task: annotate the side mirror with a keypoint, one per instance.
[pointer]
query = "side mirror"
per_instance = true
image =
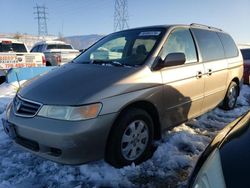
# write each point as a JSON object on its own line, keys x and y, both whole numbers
{"x": 174, "y": 59}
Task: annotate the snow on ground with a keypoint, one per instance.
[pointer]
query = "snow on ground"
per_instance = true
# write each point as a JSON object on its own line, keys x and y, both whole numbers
{"x": 170, "y": 165}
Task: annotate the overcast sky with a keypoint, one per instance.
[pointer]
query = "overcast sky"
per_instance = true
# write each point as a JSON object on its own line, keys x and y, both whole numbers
{"x": 81, "y": 17}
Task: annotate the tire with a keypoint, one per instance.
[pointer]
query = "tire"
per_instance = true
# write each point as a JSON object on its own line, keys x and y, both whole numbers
{"x": 230, "y": 99}
{"x": 131, "y": 138}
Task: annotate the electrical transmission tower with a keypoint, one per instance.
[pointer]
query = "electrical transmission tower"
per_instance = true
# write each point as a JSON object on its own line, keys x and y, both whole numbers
{"x": 41, "y": 16}
{"x": 121, "y": 15}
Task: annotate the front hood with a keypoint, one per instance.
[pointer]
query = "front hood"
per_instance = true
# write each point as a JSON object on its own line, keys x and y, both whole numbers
{"x": 76, "y": 84}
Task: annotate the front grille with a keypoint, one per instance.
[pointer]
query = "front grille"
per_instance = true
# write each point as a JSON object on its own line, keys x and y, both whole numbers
{"x": 24, "y": 107}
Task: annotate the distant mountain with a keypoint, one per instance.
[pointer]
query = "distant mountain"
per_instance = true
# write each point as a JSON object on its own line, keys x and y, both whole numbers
{"x": 82, "y": 41}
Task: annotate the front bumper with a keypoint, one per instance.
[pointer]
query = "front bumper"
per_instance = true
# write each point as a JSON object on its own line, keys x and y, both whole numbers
{"x": 67, "y": 142}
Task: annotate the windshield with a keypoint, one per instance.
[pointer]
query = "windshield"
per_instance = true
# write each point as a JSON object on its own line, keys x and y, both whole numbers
{"x": 129, "y": 48}
{"x": 58, "y": 46}
{"x": 12, "y": 47}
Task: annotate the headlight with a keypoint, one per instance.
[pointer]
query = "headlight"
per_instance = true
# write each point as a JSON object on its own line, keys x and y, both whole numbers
{"x": 211, "y": 174}
{"x": 71, "y": 113}
{"x": 8, "y": 110}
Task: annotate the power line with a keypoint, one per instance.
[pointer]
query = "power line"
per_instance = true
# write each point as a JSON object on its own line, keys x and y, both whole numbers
{"x": 41, "y": 16}
{"x": 121, "y": 15}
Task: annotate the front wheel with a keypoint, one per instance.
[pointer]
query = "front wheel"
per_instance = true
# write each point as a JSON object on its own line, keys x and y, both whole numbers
{"x": 131, "y": 138}
{"x": 230, "y": 99}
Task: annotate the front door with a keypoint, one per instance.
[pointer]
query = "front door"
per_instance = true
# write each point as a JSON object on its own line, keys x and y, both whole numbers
{"x": 184, "y": 84}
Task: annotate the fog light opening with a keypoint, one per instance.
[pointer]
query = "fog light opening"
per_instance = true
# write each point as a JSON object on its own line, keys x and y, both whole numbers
{"x": 55, "y": 152}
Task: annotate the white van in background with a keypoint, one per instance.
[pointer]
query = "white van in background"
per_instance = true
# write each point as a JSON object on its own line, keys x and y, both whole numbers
{"x": 56, "y": 52}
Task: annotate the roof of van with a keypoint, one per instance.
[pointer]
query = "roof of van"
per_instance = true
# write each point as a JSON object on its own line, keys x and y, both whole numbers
{"x": 51, "y": 42}
{"x": 193, "y": 25}
{"x": 244, "y": 46}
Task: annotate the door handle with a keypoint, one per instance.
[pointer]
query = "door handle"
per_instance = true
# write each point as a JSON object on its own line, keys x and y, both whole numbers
{"x": 199, "y": 74}
{"x": 209, "y": 72}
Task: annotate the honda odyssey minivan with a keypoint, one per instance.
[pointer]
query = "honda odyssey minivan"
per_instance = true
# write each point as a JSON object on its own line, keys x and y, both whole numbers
{"x": 122, "y": 93}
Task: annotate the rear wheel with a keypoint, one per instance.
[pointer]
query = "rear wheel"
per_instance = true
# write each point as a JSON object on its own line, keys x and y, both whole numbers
{"x": 131, "y": 138}
{"x": 230, "y": 99}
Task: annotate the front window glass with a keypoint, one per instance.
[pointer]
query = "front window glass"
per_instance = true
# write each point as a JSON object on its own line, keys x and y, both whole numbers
{"x": 180, "y": 41}
{"x": 230, "y": 47}
{"x": 129, "y": 48}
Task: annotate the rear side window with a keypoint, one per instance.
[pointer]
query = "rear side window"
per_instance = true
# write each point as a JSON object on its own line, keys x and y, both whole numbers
{"x": 209, "y": 44}
{"x": 245, "y": 54}
{"x": 180, "y": 40}
{"x": 58, "y": 46}
{"x": 12, "y": 47}
{"x": 229, "y": 46}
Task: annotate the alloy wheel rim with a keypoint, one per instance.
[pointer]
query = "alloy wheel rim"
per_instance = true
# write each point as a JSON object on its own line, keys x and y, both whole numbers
{"x": 134, "y": 140}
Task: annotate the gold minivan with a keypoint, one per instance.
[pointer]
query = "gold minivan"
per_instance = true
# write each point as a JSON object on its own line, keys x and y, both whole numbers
{"x": 117, "y": 97}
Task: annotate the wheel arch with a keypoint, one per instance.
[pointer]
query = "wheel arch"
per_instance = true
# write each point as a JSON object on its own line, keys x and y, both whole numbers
{"x": 144, "y": 105}
{"x": 151, "y": 109}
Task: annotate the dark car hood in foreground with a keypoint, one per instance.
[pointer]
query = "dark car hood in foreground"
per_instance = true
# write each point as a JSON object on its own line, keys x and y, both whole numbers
{"x": 233, "y": 143}
{"x": 235, "y": 155}
{"x": 75, "y": 84}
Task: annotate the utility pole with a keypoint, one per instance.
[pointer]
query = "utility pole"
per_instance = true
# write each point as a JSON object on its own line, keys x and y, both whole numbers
{"x": 41, "y": 16}
{"x": 121, "y": 15}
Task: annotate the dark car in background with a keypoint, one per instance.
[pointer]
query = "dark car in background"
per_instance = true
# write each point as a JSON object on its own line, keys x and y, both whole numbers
{"x": 245, "y": 50}
{"x": 226, "y": 161}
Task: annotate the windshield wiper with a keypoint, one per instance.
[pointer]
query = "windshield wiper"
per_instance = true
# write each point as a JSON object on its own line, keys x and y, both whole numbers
{"x": 102, "y": 62}
{"x": 116, "y": 63}
{"x": 105, "y": 63}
